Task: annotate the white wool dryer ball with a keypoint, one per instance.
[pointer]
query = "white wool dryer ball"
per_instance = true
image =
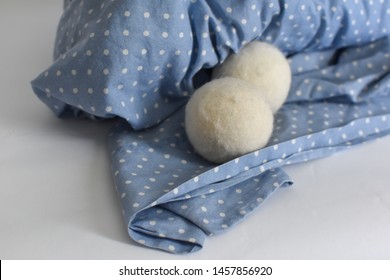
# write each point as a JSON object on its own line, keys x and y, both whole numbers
{"x": 262, "y": 65}
{"x": 227, "y": 118}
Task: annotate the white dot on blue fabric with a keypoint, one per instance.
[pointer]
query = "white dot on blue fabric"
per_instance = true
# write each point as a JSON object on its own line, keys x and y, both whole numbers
{"x": 141, "y": 61}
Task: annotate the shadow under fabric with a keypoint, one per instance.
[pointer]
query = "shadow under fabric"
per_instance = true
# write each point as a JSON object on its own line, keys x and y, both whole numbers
{"x": 137, "y": 60}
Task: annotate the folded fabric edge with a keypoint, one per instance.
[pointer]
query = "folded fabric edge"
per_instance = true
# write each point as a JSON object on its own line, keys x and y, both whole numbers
{"x": 274, "y": 156}
{"x": 318, "y": 146}
{"x": 150, "y": 237}
{"x": 165, "y": 244}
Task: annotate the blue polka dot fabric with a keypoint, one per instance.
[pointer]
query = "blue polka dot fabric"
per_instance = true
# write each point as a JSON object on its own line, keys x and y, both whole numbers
{"x": 140, "y": 61}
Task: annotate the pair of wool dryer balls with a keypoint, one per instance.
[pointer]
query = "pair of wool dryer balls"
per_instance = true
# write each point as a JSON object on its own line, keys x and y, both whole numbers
{"x": 233, "y": 114}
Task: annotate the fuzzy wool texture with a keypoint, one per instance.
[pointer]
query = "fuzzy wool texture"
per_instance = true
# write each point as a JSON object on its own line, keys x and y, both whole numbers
{"x": 264, "y": 66}
{"x": 227, "y": 118}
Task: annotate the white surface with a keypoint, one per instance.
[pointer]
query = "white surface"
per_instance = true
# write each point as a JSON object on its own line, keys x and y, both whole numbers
{"x": 58, "y": 201}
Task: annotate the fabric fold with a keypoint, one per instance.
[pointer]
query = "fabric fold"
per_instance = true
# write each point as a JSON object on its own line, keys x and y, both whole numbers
{"x": 137, "y": 59}
{"x": 162, "y": 174}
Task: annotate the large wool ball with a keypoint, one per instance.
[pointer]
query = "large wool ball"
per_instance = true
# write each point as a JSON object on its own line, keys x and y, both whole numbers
{"x": 227, "y": 118}
{"x": 264, "y": 66}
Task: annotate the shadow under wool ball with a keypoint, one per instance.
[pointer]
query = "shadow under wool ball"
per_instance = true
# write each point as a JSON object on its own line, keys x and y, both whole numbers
{"x": 227, "y": 118}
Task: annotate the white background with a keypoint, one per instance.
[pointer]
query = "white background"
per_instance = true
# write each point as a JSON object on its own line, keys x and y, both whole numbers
{"x": 57, "y": 199}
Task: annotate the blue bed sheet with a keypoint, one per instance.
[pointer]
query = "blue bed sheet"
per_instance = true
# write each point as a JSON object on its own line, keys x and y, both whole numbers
{"x": 141, "y": 61}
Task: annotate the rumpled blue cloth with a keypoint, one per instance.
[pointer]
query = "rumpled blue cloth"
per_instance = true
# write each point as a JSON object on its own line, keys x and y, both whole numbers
{"x": 141, "y": 61}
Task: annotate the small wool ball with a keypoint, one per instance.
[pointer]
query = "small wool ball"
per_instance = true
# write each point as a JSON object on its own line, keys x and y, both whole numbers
{"x": 227, "y": 118}
{"x": 264, "y": 66}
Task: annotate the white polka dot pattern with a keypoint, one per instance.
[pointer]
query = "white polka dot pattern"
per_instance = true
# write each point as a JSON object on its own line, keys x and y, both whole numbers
{"x": 140, "y": 60}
